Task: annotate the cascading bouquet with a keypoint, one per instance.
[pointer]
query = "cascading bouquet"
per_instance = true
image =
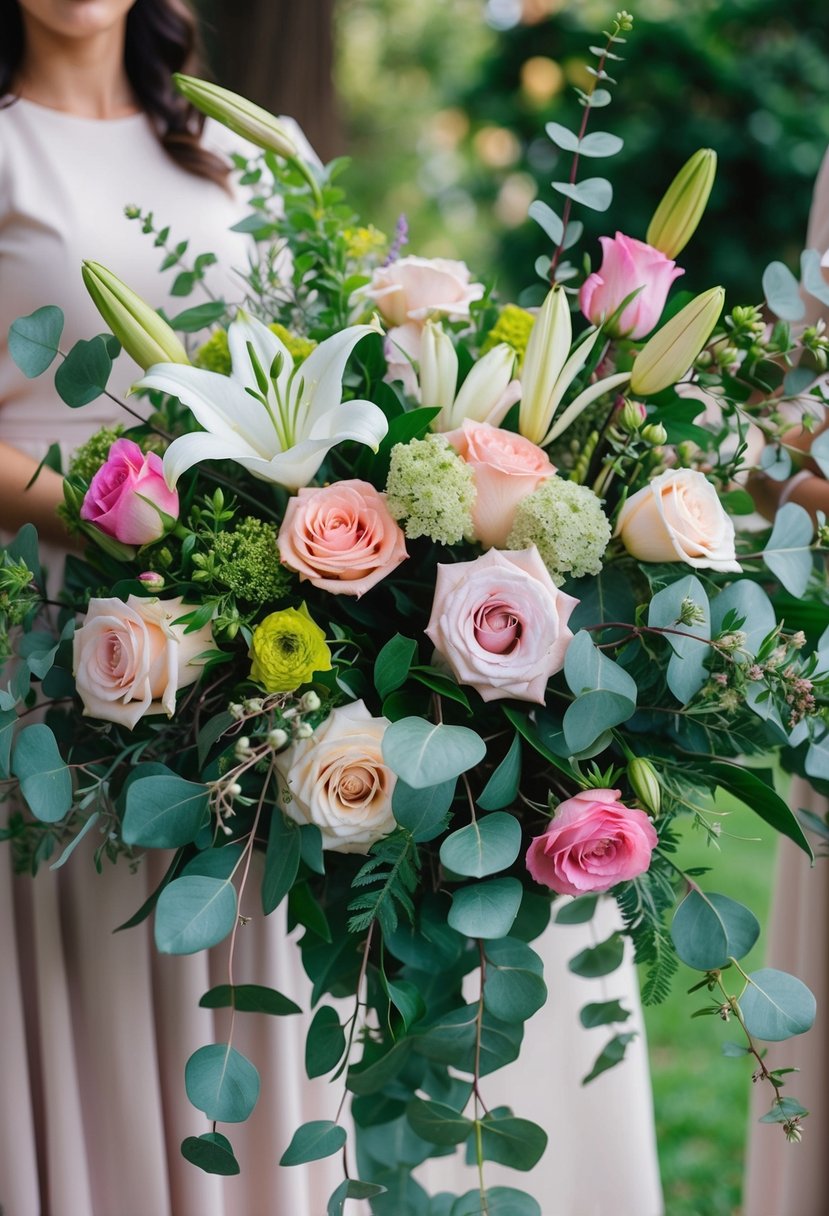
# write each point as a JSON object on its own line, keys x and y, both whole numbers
{"x": 445, "y": 612}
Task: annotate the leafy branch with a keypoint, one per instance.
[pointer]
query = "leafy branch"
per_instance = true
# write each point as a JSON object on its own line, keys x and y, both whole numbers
{"x": 395, "y": 865}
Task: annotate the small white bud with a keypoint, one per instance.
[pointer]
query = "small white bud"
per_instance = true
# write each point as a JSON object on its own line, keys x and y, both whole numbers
{"x": 304, "y": 730}
{"x": 277, "y": 738}
{"x": 233, "y": 790}
{"x": 235, "y": 710}
{"x": 309, "y": 702}
{"x": 254, "y": 705}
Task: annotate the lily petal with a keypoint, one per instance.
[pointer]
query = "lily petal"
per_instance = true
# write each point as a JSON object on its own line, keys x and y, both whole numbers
{"x": 590, "y": 394}
{"x": 192, "y": 449}
{"x": 218, "y": 403}
{"x": 322, "y": 374}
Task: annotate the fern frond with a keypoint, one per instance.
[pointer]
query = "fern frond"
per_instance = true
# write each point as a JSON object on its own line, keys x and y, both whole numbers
{"x": 394, "y": 865}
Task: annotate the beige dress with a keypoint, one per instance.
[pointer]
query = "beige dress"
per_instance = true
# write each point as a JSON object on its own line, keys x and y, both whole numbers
{"x": 793, "y": 1179}
{"x": 96, "y": 1028}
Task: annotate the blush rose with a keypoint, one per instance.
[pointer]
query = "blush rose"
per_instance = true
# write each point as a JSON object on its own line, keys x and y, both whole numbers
{"x": 593, "y": 843}
{"x": 337, "y": 780}
{"x": 679, "y": 517}
{"x": 341, "y": 538}
{"x": 130, "y": 658}
{"x": 506, "y": 468}
{"x": 128, "y": 496}
{"x": 500, "y": 623}
{"x": 628, "y": 264}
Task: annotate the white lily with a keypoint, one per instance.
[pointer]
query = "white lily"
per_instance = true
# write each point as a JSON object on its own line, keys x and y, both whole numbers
{"x": 550, "y": 367}
{"x": 277, "y": 421}
{"x": 485, "y": 395}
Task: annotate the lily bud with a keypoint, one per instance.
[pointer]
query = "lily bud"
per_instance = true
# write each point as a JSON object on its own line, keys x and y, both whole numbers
{"x": 547, "y": 351}
{"x": 645, "y": 784}
{"x": 438, "y": 369}
{"x": 238, "y": 114}
{"x": 632, "y": 416}
{"x": 677, "y": 216}
{"x": 655, "y": 434}
{"x": 140, "y": 330}
{"x": 666, "y": 357}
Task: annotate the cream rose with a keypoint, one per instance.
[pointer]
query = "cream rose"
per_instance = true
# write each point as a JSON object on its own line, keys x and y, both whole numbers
{"x": 500, "y": 623}
{"x": 413, "y": 289}
{"x": 337, "y": 780}
{"x": 678, "y": 517}
{"x": 506, "y": 467}
{"x": 130, "y": 659}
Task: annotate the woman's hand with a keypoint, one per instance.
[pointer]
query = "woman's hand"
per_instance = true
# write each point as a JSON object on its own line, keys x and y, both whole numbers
{"x": 37, "y": 504}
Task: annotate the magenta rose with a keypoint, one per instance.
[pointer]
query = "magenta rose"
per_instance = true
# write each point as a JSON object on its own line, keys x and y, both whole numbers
{"x": 507, "y": 468}
{"x": 128, "y": 497}
{"x": 628, "y": 264}
{"x": 593, "y": 843}
{"x": 500, "y": 623}
{"x": 341, "y": 538}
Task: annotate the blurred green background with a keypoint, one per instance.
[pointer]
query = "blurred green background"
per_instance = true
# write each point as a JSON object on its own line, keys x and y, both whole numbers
{"x": 442, "y": 107}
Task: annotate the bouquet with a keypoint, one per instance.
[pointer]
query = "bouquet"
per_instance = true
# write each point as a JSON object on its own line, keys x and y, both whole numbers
{"x": 431, "y": 615}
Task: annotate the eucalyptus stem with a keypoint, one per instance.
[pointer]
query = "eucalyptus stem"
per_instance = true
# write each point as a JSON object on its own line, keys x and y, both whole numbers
{"x": 478, "y": 1101}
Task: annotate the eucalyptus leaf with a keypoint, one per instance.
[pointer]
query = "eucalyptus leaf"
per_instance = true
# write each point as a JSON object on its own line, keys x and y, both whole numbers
{"x": 708, "y": 929}
{"x": 593, "y": 192}
{"x": 392, "y": 664}
{"x": 486, "y": 909}
{"x": 163, "y": 812}
{"x": 194, "y": 913}
{"x": 776, "y": 1005}
{"x": 425, "y": 754}
{"x": 602, "y": 1013}
{"x": 782, "y": 292}
{"x": 598, "y": 960}
{"x": 45, "y": 780}
{"x": 34, "y": 340}
{"x": 211, "y": 1152}
{"x": 483, "y": 847}
{"x": 546, "y": 218}
{"x": 811, "y": 276}
{"x": 605, "y": 693}
{"x": 686, "y": 672}
{"x": 249, "y": 998}
{"x": 788, "y": 553}
{"x": 351, "y": 1188}
{"x": 577, "y": 911}
{"x": 600, "y": 143}
{"x": 324, "y": 1043}
{"x": 751, "y": 603}
{"x": 222, "y": 1083}
{"x": 514, "y": 987}
{"x": 502, "y": 788}
{"x": 84, "y": 373}
{"x": 497, "y": 1201}
{"x": 610, "y": 1056}
{"x": 437, "y": 1123}
{"x": 281, "y": 860}
{"x": 518, "y": 1143}
{"x": 423, "y": 811}
{"x": 563, "y": 138}
{"x": 313, "y": 1141}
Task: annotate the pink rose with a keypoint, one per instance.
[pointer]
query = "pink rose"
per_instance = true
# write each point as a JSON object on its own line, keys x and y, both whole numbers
{"x": 413, "y": 289}
{"x": 341, "y": 538}
{"x": 338, "y": 780}
{"x": 507, "y": 468}
{"x": 130, "y": 658}
{"x": 128, "y": 496}
{"x": 500, "y": 623}
{"x": 628, "y": 264}
{"x": 593, "y": 843}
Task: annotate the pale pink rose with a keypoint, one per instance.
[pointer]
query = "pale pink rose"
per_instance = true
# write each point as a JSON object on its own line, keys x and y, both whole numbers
{"x": 130, "y": 659}
{"x": 337, "y": 780}
{"x": 593, "y": 843}
{"x": 414, "y": 289}
{"x": 679, "y": 517}
{"x": 500, "y": 624}
{"x": 341, "y": 538}
{"x": 128, "y": 496}
{"x": 507, "y": 468}
{"x": 626, "y": 265}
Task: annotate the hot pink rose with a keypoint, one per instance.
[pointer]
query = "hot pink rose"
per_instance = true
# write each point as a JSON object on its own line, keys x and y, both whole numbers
{"x": 413, "y": 289}
{"x": 341, "y": 538}
{"x": 500, "y": 623}
{"x": 628, "y": 264}
{"x": 507, "y": 468}
{"x": 593, "y": 843}
{"x": 128, "y": 495}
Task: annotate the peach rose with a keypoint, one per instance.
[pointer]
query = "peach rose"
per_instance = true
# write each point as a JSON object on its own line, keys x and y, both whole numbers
{"x": 130, "y": 659}
{"x": 413, "y": 289}
{"x": 593, "y": 843}
{"x": 341, "y": 538}
{"x": 500, "y": 623}
{"x": 337, "y": 780}
{"x": 679, "y": 517}
{"x": 507, "y": 468}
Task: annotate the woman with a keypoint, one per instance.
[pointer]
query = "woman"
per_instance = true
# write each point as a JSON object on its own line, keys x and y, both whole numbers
{"x": 783, "y": 1178}
{"x": 97, "y": 1028}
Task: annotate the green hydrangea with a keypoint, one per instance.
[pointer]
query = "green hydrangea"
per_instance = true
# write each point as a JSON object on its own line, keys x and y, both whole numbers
{"x": 246, "y": 559}
{"x": 513, "y": 327}
{"x": 214, "y": 354}
{"x": 88, "y": 458}
{"x": 566, "y": 523}
{"x": 432, "y": 489}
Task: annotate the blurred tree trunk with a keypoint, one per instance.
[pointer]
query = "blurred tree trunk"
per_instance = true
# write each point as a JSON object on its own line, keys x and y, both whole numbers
{"x": 280, "y": 54}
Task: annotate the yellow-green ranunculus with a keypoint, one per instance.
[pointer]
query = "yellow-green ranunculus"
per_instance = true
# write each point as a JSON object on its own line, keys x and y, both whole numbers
{"x": 287, "y": 648}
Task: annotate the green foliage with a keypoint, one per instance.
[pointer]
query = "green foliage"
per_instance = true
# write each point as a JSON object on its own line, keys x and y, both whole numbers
{"x": 34, "y": 340}
{"x": 483, "y": 847}
{"x": 222, "y": 1083}
{"x": 194, "y": 913}
{"x": 776, "y": 1005}
{"x": 709, "y": 929}
{"x": 83, "y": 375}
{"x": 45, "y": 780}
{"x": 788, "y": 551}
{"x": 163, "y": 812}
{"x": 392, "y": 870}
{"x": 246, "y": 559}
{"x": 211, "y": 1152}
{"x": 486, "y": 909}
{"x": 312, "y": 1141}
{"x": 425, "y": 753}
{"x": 248, "y": 998}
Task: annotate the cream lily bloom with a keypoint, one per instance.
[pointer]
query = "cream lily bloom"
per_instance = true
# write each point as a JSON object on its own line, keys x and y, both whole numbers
{"x": 550, "y": 367}
{"x": 485, "y": 395}
{"x": 277, "y": 421}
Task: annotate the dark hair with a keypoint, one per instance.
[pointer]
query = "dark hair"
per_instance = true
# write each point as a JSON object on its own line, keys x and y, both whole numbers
{"x": 161, "y": 38}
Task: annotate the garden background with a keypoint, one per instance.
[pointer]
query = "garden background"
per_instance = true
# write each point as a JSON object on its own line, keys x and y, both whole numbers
{"x": 442, "y": 106}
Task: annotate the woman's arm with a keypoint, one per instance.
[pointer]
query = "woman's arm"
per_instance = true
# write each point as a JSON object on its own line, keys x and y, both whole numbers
{"x": 38, "y": 504}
